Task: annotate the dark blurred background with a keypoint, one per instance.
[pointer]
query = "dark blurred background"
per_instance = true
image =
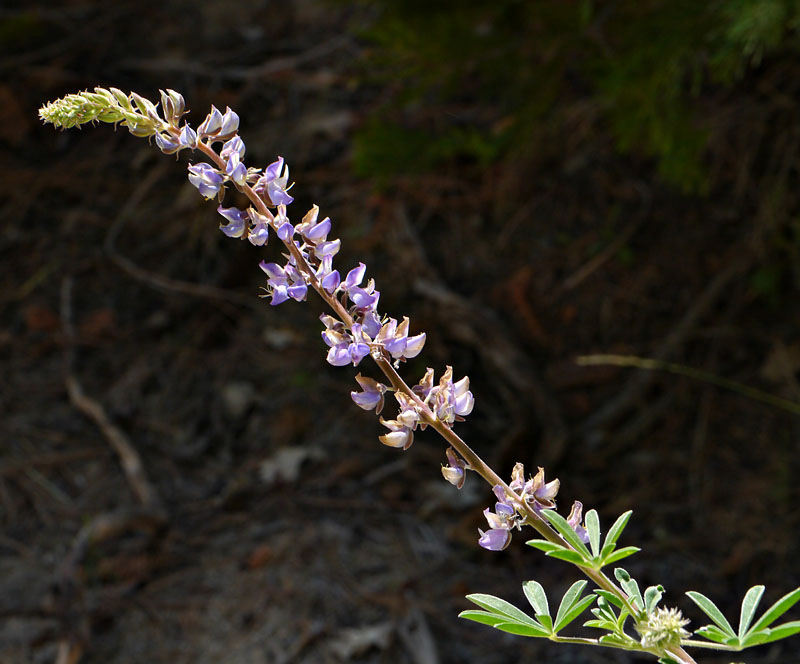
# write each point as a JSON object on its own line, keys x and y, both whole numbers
{"x": 529, "y": 182}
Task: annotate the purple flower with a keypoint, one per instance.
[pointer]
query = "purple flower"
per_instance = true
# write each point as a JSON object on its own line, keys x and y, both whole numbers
{"x": 574, "y": 520}
{"x": 455, "y": 471}
{"x": 536, "y": 492}
{"x": 259, "y": 233}
{"x": 230, "y": 123}
{"x": 399, "y": 436}
{"x": 206, "y": 178}
{"x": 354, "y": 277}
{"x": 167, "y": 143}
{"x": 188, "y": 137}
{"x": 237, "y": 221}
{"x": 328, "y": 278}
{"x": 371, "y": 396}
{"x": 273, "y": 184}
{"x": 501, "y": 521}
{"x": 450, "y": 402}
{"x": 495, "y": 539}
{"x": 284, "y": 283}
{"x": 211, "y": 125}
{"x": 233, "y": 146}
{"x": 236, "y": 170}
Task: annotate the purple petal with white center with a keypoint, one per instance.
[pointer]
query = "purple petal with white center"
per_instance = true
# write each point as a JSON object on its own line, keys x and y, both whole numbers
{"x": 273, "y": 171}
{"x": 414, "y": 345}
{"x": 297, "y": 292}
{"x": 233, "y": 146}
{"x": 206, "y": 178}
{"x": 167, "y": 143}
{"x": 371, "y": 325}
{"x": 319, "y": 232}
{"x": 398, "y": 439}
{"x": 494, "y": 540}
{"x": 361, "y": 298}
{"x": 230, "y": 122}
{"x": 454, "y": 475}
{"x": 495, "y": 521}
{"x": 188, "y": 137}
{"x": 273, "y": 270}
{"x": 330, "y": 281}
{"x": 277, "y": 194}
{"x": 279, "y": 294}
{"x": 329, "y": 248}
{"x": 366, "y": 400}
{"x": 354, "y": 277}
{"x": 358, "y": 351}
{"x": 464, "y": 404}
{"x": 237, "y": 221}
{"x": 211, "y": 124}
{"x": 338, "y": 356}
{"x": 285, "y": 231}
{"x": 236, "y": 170}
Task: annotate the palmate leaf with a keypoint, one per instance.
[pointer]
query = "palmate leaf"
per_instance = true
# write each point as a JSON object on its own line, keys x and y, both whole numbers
{"x": 710, "y": 609}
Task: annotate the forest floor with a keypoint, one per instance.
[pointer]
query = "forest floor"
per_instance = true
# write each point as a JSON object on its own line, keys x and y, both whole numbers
{"x": 267, "y": 524}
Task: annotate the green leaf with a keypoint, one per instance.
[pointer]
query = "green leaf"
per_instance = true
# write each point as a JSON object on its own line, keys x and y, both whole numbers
{"x": 500, "y": 606}
{"x": 652, "y": 596}
{"x": 565, "y": 530}
{"x": 614, "y": 639}
{"x": 710, "y": 609}
{"x": 610, "y": 597}
{"x": 756, "y": 638}
{"x": 536, "y": 596}
{"x": 777, "y": 610}
{"x": 775, "y": 633}
{"x": 570, "y": 556}
{"x": 620, "y": 554}
{"x": 544, "y": 545}
{"x": 630, "y": 586}
{"x": 546, "y": 622}
{"x": 617, "y": 528}
{"x": 599, "y": 624}
{"x": 523, "y": 630}
{"x": 592, "y": 522}
{"x": 483, "y": 617}
{"x": 572, "y": 595}
{"x": 713, "y": 633}
{"x": 749, "y": 606}
{"x": 574, "y": 611}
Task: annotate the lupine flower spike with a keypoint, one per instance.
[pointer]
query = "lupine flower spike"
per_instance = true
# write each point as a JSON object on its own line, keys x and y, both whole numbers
{"x": 354, "y": 329}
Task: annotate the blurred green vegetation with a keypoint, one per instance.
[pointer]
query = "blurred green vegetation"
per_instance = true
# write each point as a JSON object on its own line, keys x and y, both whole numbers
{"x": 482, "y": 80}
